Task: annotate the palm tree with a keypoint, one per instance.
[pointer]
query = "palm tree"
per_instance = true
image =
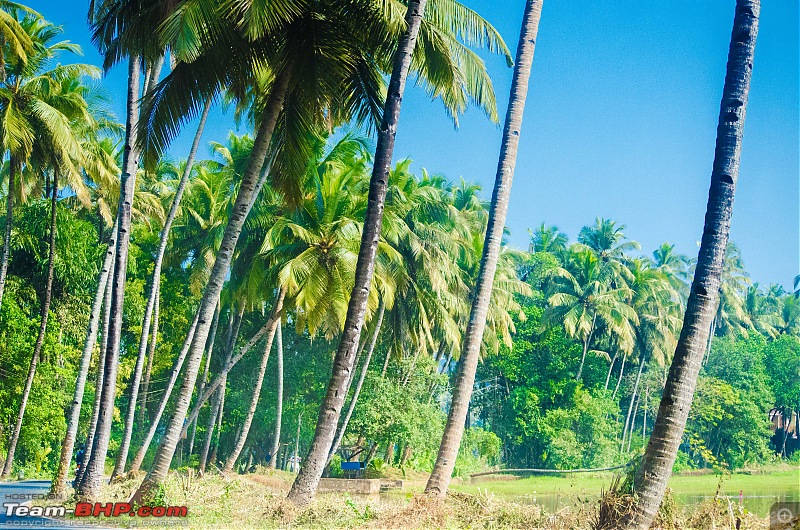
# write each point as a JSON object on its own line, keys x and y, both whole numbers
{"x": 651, "y": 478}
{"x": 547, "y": 239}
{"x": 473, "y": 337}
{"x": 122, "y": 455}
{"x": 48, "y": 103}
{"x": 607, "y": 240}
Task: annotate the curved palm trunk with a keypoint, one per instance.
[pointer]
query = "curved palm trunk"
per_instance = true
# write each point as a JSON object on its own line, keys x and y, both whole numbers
{"x": 231, "y": 362}
{"x": 209, "y": 350}
{"x": 122, "y": 455}
{"x": 89, "y": 488}
{"x": 248, "y": 193}
{"x": 220, "y": 417}
{"x": 619, "y": 379}
{"x": 68, "y": 444}
{"x": 148, "y": 370}
{"x": 37, "y": 349}
{"x": 611, "y": 369}
{"x": 465, "y": 379}
{"x": 673, "y": 411}
{"x": 276, "y": 437}
{"x": 586, "y": 348}
{"x": 101, "y": 369}
{"x": 162, "y": 405}
{"x": 305, "y": 485}
{"x": 9, "y": 220}
{"x": 359, "y": 384}
{"x": 251, "y": 412}
{"x": 212, "y": 423}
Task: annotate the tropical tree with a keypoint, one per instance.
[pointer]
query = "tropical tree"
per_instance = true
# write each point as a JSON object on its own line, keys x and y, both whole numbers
{"x": 651, "y": 477}
{"x": 473, "y": 337}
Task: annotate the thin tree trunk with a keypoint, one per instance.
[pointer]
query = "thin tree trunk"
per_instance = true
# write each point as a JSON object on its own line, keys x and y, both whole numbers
{"x": 628, "y": 424}
{"x": 619, "y": 379}
{"x": 73, "y": 417}
{"x": 673, "y": 411}
{"x": 122, "y": 455}
{"x": 268, "y": 327}
{"x": 473, "y": 337}
{"x": 9, "y": 221}
{"x": 248, "y": 192}
{"x": 710, "y": 338}
{"x": 89, "y": 489}
{"x": 586, "y": 348}
{"x": 209, "y": 350}
{"x": 212, "y": 423}
{"x": 644, "y": 414}
{"x": 633, "y": 421}
{"x": 610, "y": 369}
{"x": 148, "y": 370}
{"x": 101, "y": 370}
{"x": 305, "y": 485}
{"x": 360, "y": 382}
{"x": 251, "y": 412}
{"x": 220, "y": 415}
{"x": 276, "y": 438}
{"x": 386, "y": 362}
{"x": 37, "y": 349}
{"x": 173, "y": 377}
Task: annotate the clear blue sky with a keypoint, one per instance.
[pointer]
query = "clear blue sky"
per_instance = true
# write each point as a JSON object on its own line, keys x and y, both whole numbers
{"x": 620, "y": 122}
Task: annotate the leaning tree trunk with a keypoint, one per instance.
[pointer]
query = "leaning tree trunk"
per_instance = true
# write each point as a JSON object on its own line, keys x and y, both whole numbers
{"x": 89, "y": 489}
{"x": 248, "y": 193}
{"x": 101, "y": 370}
{"x": 465, "y": 378}
{"x": 37, "y": 349}
{"x": 611, "y": 369}
{"x": 122, "y": 455}
{"x": 204, "y": 380}
{"x": 619, "y": 379}
{"x": 251, "y": 412}
{"x": 276, "y": 437}
{"x": 267, "y": 328}
{"x": 148, "y": 369}
{"x": 162, "y": 405}
{"x": 305, "y": 485}
{"x": 89, "y": 343}
{"x": 220, "y": 417}
{"x": 651, "y": 479}
{"x": 585, "y": 348}
{"x": 628, "y": 425}
{"x": 9, "y": 221}
{"x": 361, "y": 377}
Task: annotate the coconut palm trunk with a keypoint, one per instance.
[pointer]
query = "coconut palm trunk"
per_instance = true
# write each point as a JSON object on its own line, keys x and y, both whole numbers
{"x": 12, "y": 181}
{"x": 656, "y": 467}
{"x": 162, "y": 405}
{"x": 89, "y": 488}
{"x": 628, "y": 422}
{"x": 249, "y": 188}
{"x": 473, "y": 337}
{"x": 148, "y": 369}
{"x": 586, "y": 342}
{"x": 267, "y": 328}
{"x": 89, "y": 343}
{"x": 619, "y": 379}
{"x": 101, "y": 364}
{"x": 611, "y": 369}
{"x": 305, "y": 485}
{"x": 204, "y": 380}
{"x": 251, "y": 412}
{"x": 359, "y": 383}
{"x": 276, "y": 437}
{"x": 37, "y": 349}
{"x": 212, "y": 423}
{"x": 122, "y": 455}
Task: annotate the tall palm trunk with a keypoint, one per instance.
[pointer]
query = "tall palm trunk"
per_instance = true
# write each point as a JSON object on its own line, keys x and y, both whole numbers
{"x": 611, "y": 369}
{"x": 148, "y": 369}
{"x": 248, "y": 193}
{"x": 628, "y": 424}
{"x": 220, "y": 416}
{"x": 360, "y": 382}
{"x": 101, "y": 370}
{"x": 276, "y": 437}
{"x": 89, "y": 488}
{"x": 305, "y": 485}
{"x": 251, "y": 412}
{"x": 212, "y": 423}
{"x": 619, "y": 379}
{"x": 162, "y": 405}
{"x": 268, "y": 328}
{"x": 465, "y": 378}
{"x": 37, "y": 349}
{"x": 89, "y": 343}
{"x": 122, "y": 455}
{"x": 204, "y": 380}
{"x": 673, "y": 411}
{"x": 12, "y": 181}
{"x": 585, "y": 347}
